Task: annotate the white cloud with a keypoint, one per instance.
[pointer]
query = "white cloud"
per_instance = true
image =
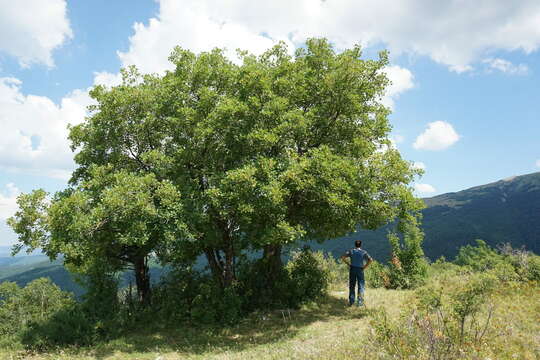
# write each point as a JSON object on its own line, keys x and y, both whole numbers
{"x": 107, "y": 79}
{"x": 538, "y": 163}
{"x": 196, "y": 25}
{"x": 34, "y": 130}
{"x": 424, "y": 188}
{"x": 439, "y": 135}
{"x": 506, "y": 66}
{"x": 401, "y": 81}
{"x": 8, "y": 201}
{"x": 31, "y": 29}
{"x": 457, "y": 34}
{"x": 191, "y": 25}
{"x": 419, "y": 165}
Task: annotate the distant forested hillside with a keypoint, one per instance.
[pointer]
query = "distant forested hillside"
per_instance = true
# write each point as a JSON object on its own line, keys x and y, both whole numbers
{"x": 506, "y": 211}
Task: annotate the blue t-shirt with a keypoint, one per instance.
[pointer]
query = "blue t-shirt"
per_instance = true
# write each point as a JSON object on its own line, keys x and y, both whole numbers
{"x": 358, "y": 256}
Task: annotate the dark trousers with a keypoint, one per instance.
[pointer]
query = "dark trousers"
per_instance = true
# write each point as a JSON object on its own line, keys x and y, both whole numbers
{"x": 356, "y": 275}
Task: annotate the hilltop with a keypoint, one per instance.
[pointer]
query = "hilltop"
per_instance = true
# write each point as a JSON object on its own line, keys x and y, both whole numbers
{"x": 506, "y": 211}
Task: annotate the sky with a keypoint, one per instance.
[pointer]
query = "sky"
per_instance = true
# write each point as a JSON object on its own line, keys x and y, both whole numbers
{"x": 464, "y": 93}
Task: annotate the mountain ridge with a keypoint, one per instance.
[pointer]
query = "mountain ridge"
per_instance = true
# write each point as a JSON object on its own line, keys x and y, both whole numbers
{"x": 503, "y": 211}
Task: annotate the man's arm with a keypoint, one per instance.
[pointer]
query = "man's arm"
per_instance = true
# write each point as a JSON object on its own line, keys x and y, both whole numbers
{"x": 369, "y": 261}
{"x": 345, "y": 259}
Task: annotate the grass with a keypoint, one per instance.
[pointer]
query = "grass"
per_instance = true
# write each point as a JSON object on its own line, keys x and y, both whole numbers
{"x": 325, "y": 330}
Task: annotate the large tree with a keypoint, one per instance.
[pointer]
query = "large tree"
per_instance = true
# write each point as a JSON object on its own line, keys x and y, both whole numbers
{"x": 264, "y": 152}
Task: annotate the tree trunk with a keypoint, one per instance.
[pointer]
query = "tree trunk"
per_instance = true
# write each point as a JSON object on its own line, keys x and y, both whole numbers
{"x": 142, "y": 280}
{"x": 274, "y": 265}
{"x": 222, "y": 269}
{"x": 215, "y": 265}
{"x": 226, "y": 266}
{"x": 228, "y": 271}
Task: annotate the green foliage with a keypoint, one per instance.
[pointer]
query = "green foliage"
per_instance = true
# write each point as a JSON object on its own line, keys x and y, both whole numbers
{"x": 533, "y": 268}
{"x": 70, "y": 325}
{"x": 441, "y": 266}
{"x": 261, "y": 291}
{"x": 480, "y": 257}
{"x": 189, "y": 296}
{"x": 215, "y": 305}
{"x": 100, "y": 307}
{"x": 335, "y": 272}
{"x": 408, "y": 266}
{"x": 305, "y": 278}
{"x": 375, "y": 275}
{"x": 507, "y": 263}
{"x": 173, "y": 295}
{"x": 114, "y": 219}
{"x": 38, "y": 301}
{"x": 525, "y": 263}
{"x": 309, "y": 276}
{"x": 40, "y": 316}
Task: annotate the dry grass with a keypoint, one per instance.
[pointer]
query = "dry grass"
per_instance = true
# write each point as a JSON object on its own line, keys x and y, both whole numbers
{"x": 328, "y": 330}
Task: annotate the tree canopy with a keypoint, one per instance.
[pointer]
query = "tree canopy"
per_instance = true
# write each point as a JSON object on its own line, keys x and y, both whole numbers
{"x": 218, "y": 157}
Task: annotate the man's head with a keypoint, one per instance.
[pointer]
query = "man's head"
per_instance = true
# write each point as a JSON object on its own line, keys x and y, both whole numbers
{"x": 358, "y": 243}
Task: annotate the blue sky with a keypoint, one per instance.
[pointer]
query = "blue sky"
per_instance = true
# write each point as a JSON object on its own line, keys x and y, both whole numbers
{"x": 465, "y": 74}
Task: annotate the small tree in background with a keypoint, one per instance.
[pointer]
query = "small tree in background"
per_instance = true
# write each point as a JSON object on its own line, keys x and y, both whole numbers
{"x": 407, "y": 267}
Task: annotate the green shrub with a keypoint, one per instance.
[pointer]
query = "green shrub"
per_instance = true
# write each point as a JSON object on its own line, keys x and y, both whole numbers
{"x": 532, "y": 271}
{"x": 101, "y": 301}
{"x": 213, "y": 305}
{"x": 335, "y": 272}
{"x": 408, "y": 266}
{"x": 526, "y": 264}
{"x": 480, "y": 257}
{"x": 68, "y": 326}
{"x": 508, "y": 264}
{"x": 505, "y": 271}
{"x": 375, "y": 275}
{"x": 306, "y": 277}
{"x": 41, "y": 316}
{"x": 441, "y": 266}
{"x": 309, "y": 276}
{"x": 38, "y": 301}
{"x": 261, "y": 288}
{"x": 173, "y": 295}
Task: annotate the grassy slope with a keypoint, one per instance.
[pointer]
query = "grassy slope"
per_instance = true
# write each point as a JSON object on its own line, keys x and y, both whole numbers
{"x": 329, "y": 330}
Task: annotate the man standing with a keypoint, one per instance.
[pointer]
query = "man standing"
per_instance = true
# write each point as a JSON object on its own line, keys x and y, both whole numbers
{"x": 358, "y": 259}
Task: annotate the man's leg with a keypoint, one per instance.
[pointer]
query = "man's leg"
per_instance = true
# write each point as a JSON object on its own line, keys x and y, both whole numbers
{"x": 352, "y": 285}
{"x": 361, "y": 287}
